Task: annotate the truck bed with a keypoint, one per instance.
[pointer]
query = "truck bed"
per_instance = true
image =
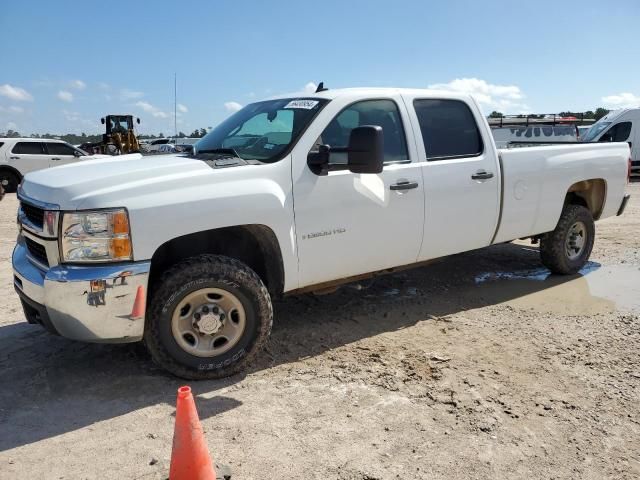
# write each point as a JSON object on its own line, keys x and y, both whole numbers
{"x": 536, "y": 179}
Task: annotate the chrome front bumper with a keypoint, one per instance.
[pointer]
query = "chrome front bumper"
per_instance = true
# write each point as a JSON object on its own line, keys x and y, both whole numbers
{"x": 101, "y": 303}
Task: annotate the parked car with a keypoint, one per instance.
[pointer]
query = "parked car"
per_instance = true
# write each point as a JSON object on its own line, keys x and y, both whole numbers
{"x": 291, "y": 195}
{"x": 19, "y": 156}
{"x": 621, "y": 125}
{"x": 156, "y": 145}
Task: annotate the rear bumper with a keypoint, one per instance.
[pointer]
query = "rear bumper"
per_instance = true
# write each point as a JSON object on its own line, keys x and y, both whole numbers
{"x": 91, "y": 304}
{"x": 623, "y": 205}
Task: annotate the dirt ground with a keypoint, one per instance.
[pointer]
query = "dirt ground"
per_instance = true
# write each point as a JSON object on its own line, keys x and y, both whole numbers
{"x": 479, "y": 366}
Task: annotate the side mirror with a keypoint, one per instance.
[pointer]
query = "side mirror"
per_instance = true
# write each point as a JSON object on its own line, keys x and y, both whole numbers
{"x": 365, "y": 153}
{"x": 76, "y": 153}
{"x": 607, "y": 137}
{"x": 102, "y": 120}
{"x": 138, "y": 121}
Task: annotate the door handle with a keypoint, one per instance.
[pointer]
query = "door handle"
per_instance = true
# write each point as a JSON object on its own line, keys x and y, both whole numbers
{"x": 482, "y": 175}
{"x": 56, "y": 159}
{"x": 404, "y": 185}
{"x": 14, "y": 158}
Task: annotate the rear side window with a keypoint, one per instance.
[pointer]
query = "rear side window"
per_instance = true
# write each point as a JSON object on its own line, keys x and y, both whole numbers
{"x": 618, "y": 133}
{"x": 383, "y": 113}
{"x": 448, "y": 129}
{"x": 28, "y": 148}
{"x": 60, "y": 149}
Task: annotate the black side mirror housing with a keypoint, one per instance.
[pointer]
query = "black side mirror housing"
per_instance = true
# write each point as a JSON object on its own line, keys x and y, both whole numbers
{"x": 365, "y": 153}
{"x": 138, "y": 121}
{"x": 102, "y": 120}
{"x": 76, "y": 153}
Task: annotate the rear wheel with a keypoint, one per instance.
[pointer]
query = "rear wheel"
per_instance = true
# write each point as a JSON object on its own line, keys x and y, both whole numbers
{"x": 9, "y": 181}
{"x": 567, "y": 249}
{"x": 209, "y": 318}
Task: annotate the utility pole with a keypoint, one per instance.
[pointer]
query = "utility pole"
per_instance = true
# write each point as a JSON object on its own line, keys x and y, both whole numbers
{"x": 175, "y": 105}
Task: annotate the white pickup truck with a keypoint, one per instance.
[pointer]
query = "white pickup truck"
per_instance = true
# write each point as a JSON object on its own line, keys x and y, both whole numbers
{"x": 288, "y": 195}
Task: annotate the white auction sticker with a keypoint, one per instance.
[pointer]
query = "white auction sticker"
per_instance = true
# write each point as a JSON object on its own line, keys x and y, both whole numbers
{"x": 306, "y": 104}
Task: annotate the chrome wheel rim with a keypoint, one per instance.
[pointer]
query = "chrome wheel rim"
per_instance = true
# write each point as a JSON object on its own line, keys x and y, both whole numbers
{"x": 208, "y": 322}
{"x": 576, "y": 240}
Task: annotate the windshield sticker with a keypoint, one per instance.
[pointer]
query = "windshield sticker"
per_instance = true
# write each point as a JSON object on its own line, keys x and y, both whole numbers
{"x": 305, "y": 104}
{"x": 269, "y": 146}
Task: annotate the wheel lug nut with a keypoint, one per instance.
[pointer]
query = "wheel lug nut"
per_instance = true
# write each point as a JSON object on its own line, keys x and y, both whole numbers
{"x": 196, "y": 316}
{"x": 222, "y": 316}
{"x": 216, "y": 310}
{"x": 205, "y": 309}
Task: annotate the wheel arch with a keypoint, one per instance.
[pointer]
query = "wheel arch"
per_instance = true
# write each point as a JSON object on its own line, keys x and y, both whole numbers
{"x": 588, "y": 193}
{"x": 255, "y": 245}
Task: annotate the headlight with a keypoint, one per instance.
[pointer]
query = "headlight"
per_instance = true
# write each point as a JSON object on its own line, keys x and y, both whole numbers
{"x": 100, "y": 236}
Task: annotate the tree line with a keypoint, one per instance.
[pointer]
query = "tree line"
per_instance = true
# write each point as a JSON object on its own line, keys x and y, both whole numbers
{"x": 76, "y": 139}
{"x": 589, "y": 114}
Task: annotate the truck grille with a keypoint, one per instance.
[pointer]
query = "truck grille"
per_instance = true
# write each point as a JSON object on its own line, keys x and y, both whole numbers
{"x": 37, "y": 251}
{"x": 34, "y": 214}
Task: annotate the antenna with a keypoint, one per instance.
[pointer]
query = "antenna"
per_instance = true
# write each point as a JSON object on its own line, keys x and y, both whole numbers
{"x": 175, "y": 105}
{"x": 321, "y": 88}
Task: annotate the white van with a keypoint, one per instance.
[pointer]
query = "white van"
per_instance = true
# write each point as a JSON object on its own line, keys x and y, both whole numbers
{"x": 619, "y": 126}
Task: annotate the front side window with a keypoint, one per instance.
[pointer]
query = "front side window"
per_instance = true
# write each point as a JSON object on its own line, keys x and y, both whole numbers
{"x": 618, "y": 133}
{"x": 448, "y": 128}
{"x": 262, "y": 131}
{"x": 383, "y": 113}
{"x": 596, "y": 129}
{"x": 28, "y": 148}
{"x": 60, "y": 149}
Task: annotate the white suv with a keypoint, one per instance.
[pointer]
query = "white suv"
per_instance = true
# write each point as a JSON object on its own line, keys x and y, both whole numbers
{"x": 19, "y": 156}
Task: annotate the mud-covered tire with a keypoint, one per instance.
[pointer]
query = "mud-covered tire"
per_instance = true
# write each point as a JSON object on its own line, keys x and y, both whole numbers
{"x": 553, "y": 245}
{"x": 9, "y": 181}
{"x": 192, "y": 275}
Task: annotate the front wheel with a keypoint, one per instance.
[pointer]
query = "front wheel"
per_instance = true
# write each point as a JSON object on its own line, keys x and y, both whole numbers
{"x": 209, "y": 317}
{"x": 9, "y": 181}
{"x": 567, "y": 249}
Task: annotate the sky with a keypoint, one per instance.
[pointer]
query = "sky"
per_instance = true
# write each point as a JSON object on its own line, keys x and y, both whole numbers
{"x": 65, "y": 64}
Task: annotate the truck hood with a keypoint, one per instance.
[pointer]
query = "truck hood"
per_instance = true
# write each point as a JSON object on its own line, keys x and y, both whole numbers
{"x": 73, "y": 186}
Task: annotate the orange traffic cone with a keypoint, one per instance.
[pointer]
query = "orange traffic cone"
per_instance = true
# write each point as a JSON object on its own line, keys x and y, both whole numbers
{"x": 190, "y": 457}
{"x": 138, "y": 304}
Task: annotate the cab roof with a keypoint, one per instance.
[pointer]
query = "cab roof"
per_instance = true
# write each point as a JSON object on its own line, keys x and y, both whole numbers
{"x": 358, "y": 92}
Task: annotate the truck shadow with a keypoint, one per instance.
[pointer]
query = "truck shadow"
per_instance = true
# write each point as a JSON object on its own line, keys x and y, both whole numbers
{"x": 53, "y": 386}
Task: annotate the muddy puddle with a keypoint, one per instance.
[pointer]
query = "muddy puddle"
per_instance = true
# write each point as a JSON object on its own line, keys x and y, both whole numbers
{"x": 596, "y": 289}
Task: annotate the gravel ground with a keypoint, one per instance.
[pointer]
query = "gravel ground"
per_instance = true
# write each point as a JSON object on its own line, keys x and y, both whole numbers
{"x": 479, "y": 366}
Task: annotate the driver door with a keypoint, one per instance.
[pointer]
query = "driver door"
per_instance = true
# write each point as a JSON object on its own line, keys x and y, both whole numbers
{"x": 62, "y": 153}
{"x": 349, "y": 224}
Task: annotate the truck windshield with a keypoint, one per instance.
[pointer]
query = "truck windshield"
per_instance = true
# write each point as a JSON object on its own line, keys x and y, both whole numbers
{"x": 262, "y": 131}
{"x": 595, "y": 130}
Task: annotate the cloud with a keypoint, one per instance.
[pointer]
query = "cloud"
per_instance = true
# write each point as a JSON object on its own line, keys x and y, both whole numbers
{"x": 65, "y": 96}
{"x": 78, "y": 84}
{"x": 127, "y": 94}
{"x": 505, "y": 98}
{"x": 11, "y": 126}
{"x": 15, "y": 93}
{"x": 155, "y": 111}
{"x": 182, "y": 108}
{"x": 621, "y": 100}
{"x": 310, "y": 87}
{"x": 232, "y": 106}
{"x": 12, "y": 109}
{"x": 71, "y": 116}
{"x": 104, "y": 86}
